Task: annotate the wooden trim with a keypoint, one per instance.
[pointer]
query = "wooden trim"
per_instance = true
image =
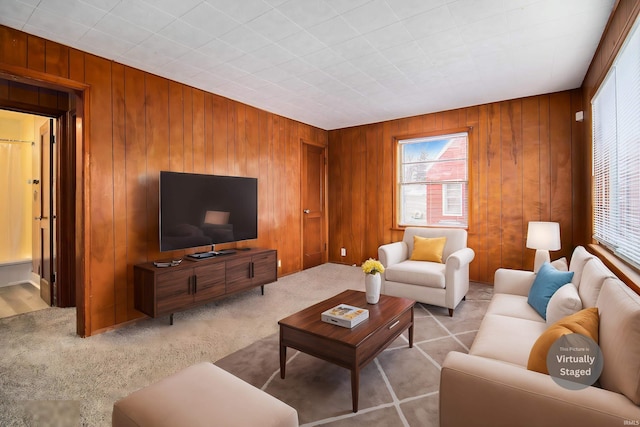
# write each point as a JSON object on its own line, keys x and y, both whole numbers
{"x": 40, "y": 79}
{"x": 429, "y": 134}
{"x": 624, "y": 271}
{"x": 618, "y": 44}
{"x": 394, "y": 196}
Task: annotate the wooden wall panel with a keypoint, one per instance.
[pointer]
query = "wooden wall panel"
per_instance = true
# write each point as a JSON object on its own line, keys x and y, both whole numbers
{"x": 35, "y": 53}
{"x": 208, "y": 134}
{"x": 507, "y": 190}
{"x": 511, "y": 183}
{"x": 141, "y": 124}
{"x": 135, "y": 171}
{"x": 560, "y": 120}
{"x": 56, "y": 59}
{"x": 531, "y": 209}
{"x": 198, "y": 132}
{"x": 13, "y": 47}
{"x": 101, "y": 202}
{"x": 494, "y": 236}
{"x": 121, "y": 290}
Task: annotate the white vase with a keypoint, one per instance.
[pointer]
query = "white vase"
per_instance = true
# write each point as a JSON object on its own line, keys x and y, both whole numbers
{"x": 372, "y": 283}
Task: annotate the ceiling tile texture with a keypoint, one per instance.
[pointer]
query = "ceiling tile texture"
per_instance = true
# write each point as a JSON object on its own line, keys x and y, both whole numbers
{"x": 336, "y": 63}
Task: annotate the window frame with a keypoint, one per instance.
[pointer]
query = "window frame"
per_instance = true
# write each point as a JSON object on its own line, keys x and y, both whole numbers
{"x": 605, "y": 240}
{"x": 396, "y": 196}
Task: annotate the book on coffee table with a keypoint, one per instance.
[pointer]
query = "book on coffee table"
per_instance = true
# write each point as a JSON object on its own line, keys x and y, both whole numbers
{"x": 345, "y": 315}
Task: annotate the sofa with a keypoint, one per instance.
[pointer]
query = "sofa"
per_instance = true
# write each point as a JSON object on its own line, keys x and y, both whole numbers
{"x": 444, "y": 283}
{"x": 491, "y": 385}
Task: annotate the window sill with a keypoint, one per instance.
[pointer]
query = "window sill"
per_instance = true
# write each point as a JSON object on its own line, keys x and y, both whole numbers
{"x": 624, "y": 271}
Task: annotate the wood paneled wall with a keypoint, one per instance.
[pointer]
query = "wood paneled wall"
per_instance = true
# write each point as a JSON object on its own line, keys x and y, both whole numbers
{"x": 140, "y": 124}
{"x": 522, "y": 161}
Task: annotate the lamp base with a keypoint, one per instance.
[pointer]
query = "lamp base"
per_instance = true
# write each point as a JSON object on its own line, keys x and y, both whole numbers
{"x": 542, "y": 256}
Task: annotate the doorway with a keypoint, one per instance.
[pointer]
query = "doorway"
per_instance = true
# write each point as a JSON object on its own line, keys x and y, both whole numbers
{"x": 27, "y": 213}
{"x": 314, "y": 246}
{"x": 33, "y": 92}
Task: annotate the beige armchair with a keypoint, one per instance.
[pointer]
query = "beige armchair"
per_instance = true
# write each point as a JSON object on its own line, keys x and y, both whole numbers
{"x": 443, "y": 284}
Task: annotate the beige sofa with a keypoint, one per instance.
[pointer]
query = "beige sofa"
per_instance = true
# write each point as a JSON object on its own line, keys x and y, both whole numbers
{"x": 443, "y": 284}
{"x": 491, "y": 385}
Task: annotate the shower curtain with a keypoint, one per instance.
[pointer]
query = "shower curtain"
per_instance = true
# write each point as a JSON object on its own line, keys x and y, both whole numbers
{"x": 15, "y": 202}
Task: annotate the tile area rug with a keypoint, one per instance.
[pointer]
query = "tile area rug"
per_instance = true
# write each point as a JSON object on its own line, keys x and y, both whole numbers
{"x": 399, "y": 388}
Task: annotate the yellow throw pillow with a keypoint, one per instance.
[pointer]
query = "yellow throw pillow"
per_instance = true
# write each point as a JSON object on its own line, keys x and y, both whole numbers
{"x": 584, "y": 322}
{"x": 428, "y": 249}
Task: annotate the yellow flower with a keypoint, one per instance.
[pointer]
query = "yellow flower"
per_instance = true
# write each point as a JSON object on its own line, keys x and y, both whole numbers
{"x": 372, "y": 266}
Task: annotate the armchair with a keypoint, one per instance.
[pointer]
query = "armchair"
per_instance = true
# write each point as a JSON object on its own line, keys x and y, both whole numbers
{"x": 443, "y": 284}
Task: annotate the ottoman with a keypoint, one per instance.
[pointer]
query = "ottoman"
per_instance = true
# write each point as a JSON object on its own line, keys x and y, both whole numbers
{"x": 202, "y": 395}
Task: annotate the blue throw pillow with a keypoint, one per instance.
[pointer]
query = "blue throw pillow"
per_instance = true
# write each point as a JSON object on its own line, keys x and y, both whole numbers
{"x": 547, "y": 282}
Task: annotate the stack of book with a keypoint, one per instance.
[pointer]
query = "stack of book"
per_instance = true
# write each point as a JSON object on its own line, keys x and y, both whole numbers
{"x": 345, "y": 315}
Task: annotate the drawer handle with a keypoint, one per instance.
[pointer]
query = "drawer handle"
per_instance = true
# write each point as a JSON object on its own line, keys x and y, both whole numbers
{"x": 394, "y": 324}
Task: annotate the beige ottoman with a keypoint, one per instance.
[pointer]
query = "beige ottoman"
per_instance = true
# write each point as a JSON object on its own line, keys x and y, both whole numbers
{"x": 202, "y": 395}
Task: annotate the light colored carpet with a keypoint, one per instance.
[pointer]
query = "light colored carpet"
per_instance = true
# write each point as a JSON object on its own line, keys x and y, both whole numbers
{"x": 48, "y": 372}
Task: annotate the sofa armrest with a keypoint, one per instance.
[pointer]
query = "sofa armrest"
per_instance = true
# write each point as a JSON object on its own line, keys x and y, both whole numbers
{"x": 485, "y": 392}
{"x": 393, "y": 253}
{"x": 460, "y": 258}
{"x": 516, "y": 282}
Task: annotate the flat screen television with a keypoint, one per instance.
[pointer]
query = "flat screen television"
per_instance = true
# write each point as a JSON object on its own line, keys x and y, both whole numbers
{"x": 204, "y": 210}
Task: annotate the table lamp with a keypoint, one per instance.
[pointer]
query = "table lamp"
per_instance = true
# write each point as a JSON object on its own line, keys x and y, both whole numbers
{"x": 543, "y": 237}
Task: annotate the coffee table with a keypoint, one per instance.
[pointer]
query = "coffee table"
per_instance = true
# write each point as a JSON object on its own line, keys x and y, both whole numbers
{"x": 349, "y": 348}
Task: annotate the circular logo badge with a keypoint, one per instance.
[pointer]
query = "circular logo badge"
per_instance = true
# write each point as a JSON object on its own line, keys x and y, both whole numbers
{"x": 575, "y": 361}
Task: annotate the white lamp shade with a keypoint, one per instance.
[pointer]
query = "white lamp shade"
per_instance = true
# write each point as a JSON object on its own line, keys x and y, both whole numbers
{"x": 543, "y": 235}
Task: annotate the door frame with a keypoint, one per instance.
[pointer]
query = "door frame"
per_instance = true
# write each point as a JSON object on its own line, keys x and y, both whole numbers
{"x": 73, "y": 182}
{"x": 303, "y": 176}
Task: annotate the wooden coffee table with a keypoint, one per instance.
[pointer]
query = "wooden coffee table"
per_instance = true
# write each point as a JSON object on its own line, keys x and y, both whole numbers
{"x": 350, "y": 348}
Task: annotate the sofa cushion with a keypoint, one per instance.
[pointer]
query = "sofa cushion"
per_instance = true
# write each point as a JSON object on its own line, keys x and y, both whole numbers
{"x": 564, "y": 302}
{"x": 506, "y": 338}
{"x": 547, "y": 281}
{"x": 423, "y": 273}
{"x": 619, "y": 310}
{"x": 560, "y": 264}
{"x": 578, "y": 259}
{"x": 584, "y": 322}
{"x": 594, "y": 274}
{"x": 428, "y": 249}
{"x": 513, "y": 306}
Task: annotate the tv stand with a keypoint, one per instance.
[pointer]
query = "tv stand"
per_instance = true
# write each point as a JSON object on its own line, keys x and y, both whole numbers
{"x": 164, "y": 291}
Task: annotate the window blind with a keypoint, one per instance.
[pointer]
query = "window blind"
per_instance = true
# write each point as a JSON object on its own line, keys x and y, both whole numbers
{"x": 616, "y": 154}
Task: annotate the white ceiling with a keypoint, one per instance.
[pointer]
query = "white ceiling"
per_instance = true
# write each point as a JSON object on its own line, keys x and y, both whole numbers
{"x": 336, "y": 63}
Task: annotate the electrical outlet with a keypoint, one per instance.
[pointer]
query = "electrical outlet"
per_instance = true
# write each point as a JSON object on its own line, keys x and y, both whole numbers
{"x": 343, "y": 252}
{"x": 279, "y": 263}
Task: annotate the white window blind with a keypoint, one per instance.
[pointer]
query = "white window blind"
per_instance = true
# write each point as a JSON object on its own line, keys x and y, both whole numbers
{"x": 616, "y": 154}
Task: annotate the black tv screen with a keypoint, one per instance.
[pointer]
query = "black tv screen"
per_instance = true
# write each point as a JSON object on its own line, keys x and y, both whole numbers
{"x": 199, "y": 210}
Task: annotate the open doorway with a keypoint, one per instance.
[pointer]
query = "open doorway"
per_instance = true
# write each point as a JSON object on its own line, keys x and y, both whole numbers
{"x": 26, "y": 91}
{"x": 27, "y": 212}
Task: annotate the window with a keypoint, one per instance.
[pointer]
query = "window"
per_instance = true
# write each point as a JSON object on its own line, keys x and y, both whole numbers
{"x": 616, "y": 154}
{"x": 432, "y": 181}
{"x": 452, "y": 199}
